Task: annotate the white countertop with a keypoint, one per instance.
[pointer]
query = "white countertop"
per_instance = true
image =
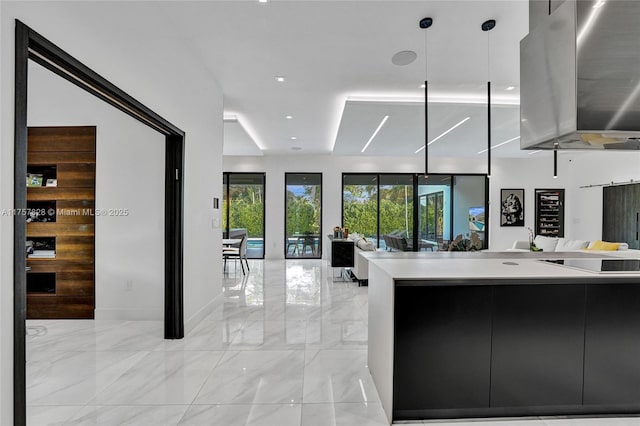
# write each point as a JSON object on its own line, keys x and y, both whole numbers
{"x": 448, "y": 268}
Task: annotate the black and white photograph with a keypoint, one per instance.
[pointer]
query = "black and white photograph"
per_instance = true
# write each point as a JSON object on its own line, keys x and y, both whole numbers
{"x": 512, "y": 207}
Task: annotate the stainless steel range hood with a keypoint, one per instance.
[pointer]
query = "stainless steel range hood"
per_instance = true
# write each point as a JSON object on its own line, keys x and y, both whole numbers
{"x": 580, "y": 77}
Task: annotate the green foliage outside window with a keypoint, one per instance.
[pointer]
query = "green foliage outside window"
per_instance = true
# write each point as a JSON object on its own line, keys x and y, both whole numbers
{"x": 303, "y": 211}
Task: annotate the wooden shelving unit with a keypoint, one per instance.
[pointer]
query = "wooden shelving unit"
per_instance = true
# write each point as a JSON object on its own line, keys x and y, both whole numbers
{"x": 549, "y": 212}
{"x": 62, "y": 286}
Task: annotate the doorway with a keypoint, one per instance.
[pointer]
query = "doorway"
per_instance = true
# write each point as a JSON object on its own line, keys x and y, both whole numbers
{"x": 32, "y": 46}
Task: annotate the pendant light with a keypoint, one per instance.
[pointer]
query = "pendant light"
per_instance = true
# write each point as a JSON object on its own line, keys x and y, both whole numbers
{"x": 425, "y": 23}
{"x": 487, "y": 26}
{"x": 555, "y": 160}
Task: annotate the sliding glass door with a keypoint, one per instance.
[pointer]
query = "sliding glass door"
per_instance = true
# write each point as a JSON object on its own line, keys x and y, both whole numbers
{"x": 303, "y": 215}
{"x": 452, "y": 206}
{"x": 243, "y": 209}
{"x": 360, "y": 205}
{"x": 387, "y": 208}
{"x": 396, "y": 207}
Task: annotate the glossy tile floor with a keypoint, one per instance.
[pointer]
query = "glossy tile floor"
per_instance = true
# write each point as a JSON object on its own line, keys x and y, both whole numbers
{"x": 284, "y": 346}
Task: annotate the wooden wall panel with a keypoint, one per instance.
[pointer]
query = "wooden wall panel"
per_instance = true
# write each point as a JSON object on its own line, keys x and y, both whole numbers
{"x": 77, "y": 175}
{"x": 72, "y": 151}
{"x": 44, "y": 194}
{"x": 50, "y": 157}
{"x": 60, "y": 139}
{"x": 75, "y": 211}
{"x": 57, "y": 229}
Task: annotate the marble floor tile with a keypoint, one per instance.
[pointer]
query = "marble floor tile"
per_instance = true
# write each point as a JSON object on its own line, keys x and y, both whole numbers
{"x": 206, "y": 336}
{"x": 243, "y": 414}
{"x": 129, "y": 415}
{"x": 271, "y": 335}
{"x": 282, "y": 345}
{"x": 56, "y": 415}
{"x": 161, "y": 378}
{"x": 255, "y": 377}
{"x": 327, "y": 334}
{"x": 337, "y": 376}
{"x": 344, "y": 414}
{"x": 74, "y": 378}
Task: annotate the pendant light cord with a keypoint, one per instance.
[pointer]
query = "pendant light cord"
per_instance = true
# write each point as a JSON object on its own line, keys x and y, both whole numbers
{"x": 426, "y": 103}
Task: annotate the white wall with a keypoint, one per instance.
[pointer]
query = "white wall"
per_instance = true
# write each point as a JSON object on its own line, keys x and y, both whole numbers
{"x": 154, "y": 66}
{"x": 583, "y": 207}
{"x": 331, "y": 168}
{"x": 129, "y": 175}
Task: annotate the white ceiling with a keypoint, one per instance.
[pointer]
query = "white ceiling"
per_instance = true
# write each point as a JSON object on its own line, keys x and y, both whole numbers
{"x": 328, "y": 51}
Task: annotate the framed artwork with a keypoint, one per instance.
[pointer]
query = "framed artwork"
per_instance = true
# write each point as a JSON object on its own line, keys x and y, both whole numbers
{"x": 512, "y": 207}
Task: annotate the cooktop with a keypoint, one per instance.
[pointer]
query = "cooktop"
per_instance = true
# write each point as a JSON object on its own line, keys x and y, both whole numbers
{"x": 605, "y": 266}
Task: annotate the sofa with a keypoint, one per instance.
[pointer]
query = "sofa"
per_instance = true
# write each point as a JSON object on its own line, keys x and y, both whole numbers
{"x": 360, "y": 265}
{"x": 552, "y": 244}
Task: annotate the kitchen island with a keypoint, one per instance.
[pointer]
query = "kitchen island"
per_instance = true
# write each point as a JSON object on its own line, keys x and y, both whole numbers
{"x": 493, "y": 335}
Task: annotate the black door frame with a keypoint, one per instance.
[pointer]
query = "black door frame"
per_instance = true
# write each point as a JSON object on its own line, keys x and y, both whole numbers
{"x": 31, "y": 45}
{"x": 264, "y": 205}
{"x": 286, "y": 255}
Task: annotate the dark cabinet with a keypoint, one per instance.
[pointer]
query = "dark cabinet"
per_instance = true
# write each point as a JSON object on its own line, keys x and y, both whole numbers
{"x": 538, "y": 345}
{"x": 549, "y": 212}
{"x": 612, "y": 346}
{"x": 621, "y": 214}
{"x": 342, "y": 255}
{"x": 442, "y": 349}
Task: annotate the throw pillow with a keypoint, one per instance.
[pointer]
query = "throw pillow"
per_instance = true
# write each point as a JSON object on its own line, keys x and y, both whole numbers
{"x": 546, "y": 243}
{"x": 565, "y": 244}
{"x": 603, "y": 245}
{"x": 365, "y": 245}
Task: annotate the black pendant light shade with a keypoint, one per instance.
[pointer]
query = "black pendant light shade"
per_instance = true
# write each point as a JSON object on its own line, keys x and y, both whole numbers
{"x": 555, "y": 163}
{"x": 424, "y": 24}
{"x": 488, "y": 25}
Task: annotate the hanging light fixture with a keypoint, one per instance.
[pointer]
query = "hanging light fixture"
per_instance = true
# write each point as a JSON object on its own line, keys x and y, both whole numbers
{"x": 487, "y": 26}
{"x": 555, "y": 160}
{"x": 425, "y": 23}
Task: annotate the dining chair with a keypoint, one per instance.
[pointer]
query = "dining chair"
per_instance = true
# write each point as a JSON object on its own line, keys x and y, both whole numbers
{"x": 237, "y": 253}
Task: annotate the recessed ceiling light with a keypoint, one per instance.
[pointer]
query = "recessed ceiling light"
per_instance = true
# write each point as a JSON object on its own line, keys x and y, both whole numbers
{"x": 384, "y": 120}
{"x": 404, "y": 57}
{"x": 280, "y": 79}
{"x": 262, "y": 1}
{"x": 296, "y": 148}
{"x": 443, "y": 134}
{"x": 510, "y": 88}
{"x": 422, "y": 86}
{"x": 293, "y": 138}
{"x": 288, "y": 117}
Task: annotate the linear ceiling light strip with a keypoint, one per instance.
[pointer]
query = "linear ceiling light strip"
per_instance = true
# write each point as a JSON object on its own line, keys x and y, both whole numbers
{"x": 375, "y": 133}
{"x": 446, "y": 132}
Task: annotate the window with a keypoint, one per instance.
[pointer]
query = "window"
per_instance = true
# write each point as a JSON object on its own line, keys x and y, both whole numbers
{"x": 360, "y": 205}
{"x": 396, "y": 206}
{"x": 438, "y": 207}
{"x": 452, "y": 205}
{"x": 303, "y": 213}
{"x": 243, "y": 208}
